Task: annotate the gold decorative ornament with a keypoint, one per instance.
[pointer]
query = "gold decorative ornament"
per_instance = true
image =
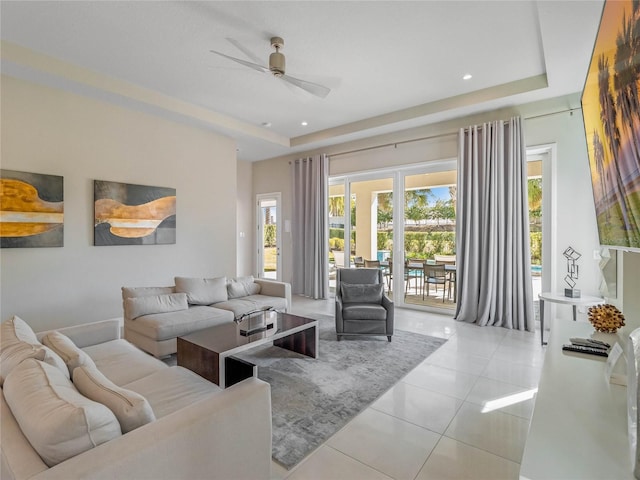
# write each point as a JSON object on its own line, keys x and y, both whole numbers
{"x": 606, "y": 318}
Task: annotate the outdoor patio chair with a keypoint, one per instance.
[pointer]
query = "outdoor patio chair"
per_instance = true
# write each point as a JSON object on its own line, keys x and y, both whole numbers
{"x": 413, "y": 271}
{"x": 338, "y": 258}
{"x": 362, "y": 308}
{"x": 451, "y": 282}
{"x": 387, "y": 273}
{"x": 445, "y": 259}
{"x": 434, "y": 275}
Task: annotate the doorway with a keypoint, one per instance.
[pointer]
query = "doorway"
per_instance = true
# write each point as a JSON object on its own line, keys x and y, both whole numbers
{"x": 269, "y": 263}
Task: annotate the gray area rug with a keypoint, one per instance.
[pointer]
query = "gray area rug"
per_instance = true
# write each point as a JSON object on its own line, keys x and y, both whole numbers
{"x": 313, "y": 398}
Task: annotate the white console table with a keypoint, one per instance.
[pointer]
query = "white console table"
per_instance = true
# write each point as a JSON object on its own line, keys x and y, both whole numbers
{"x": 579, "y": 425}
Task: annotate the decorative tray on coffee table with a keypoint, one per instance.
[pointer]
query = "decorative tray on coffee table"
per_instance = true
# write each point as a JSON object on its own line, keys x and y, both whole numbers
{"x": 256, "y": 321}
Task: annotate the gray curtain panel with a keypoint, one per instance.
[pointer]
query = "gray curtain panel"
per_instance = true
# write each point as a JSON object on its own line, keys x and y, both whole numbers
{"x": 492, "y": 227}
{"x": 310, "y": 226}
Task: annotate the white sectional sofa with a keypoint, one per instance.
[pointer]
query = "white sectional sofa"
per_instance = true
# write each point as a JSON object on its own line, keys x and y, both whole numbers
{"x": 66, "y": 406}
{"x": 155, "y": 316}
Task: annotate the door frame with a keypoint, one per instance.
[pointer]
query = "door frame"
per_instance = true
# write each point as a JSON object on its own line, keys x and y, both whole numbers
{"x": 277, "y": 196}
{"x": 549, "y": 155}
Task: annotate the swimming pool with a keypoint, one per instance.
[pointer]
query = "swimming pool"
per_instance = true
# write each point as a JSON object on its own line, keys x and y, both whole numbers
{"x": 536, "y": 269}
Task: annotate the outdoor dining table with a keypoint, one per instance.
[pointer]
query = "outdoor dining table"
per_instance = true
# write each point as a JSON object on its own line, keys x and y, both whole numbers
{"x": 449, "y": 268}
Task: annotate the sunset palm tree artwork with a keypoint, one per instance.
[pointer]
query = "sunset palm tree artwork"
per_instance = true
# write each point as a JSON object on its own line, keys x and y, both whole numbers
{"x": 31, "y": 210}
{"x": 127, "y": 214}
{"x": 611, "y": 112}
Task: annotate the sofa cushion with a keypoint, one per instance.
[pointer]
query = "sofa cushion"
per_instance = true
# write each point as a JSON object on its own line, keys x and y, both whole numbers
{"x": 172, "y": 389}
{"x": 56, "y": 419}
{"x": 202, "y": 291}
{"x": 242, "y": 305}
{"x": 16, "y": 330}
{"x": 121, "y": 362}
{"x": 18, "y": 458}
{"x": 71, "y": 355}
{"x": 130, "y": 408}
{"x": 361, "y": 292}
{"x": 242, "y": 287}
{"x": 168, "y": 302}
{"x": 164, "y": 326}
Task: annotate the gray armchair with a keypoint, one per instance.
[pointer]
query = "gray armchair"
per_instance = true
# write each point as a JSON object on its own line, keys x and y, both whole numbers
{"x": 362, "y": 308}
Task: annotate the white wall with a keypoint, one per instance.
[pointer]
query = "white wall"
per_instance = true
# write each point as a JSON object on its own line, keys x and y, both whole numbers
{"x": 54, "y": 132}
{"x": 246, "y": 223}
{"x": 270, "y": 177}
{"x": 631, "y": 291}
{"x": 575, "y": 211}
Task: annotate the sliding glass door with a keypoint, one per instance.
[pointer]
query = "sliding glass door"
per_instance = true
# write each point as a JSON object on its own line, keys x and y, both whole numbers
{"x": 397, "y": 221}
{"x": 361, "y": 234}
{"x": 429, "y": 237}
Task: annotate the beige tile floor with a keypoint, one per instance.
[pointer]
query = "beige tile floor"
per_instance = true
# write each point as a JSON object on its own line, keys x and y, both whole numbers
{"x": 462, "y": 413}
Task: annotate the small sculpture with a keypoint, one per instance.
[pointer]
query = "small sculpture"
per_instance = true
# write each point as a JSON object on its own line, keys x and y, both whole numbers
{"x": 606, "y": 318}
{"x": 572, "y": 272}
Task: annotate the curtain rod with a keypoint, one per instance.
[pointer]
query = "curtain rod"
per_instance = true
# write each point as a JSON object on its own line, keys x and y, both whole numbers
{"x": 431, "y": 137}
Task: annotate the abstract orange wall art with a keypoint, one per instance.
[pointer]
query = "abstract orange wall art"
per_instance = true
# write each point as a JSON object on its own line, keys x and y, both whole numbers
{"x": 31, "y": 210}
{"x": 127, "y": 214}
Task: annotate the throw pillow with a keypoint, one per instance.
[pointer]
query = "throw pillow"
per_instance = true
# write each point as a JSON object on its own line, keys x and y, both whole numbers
{"x": 169, "y": 302}
{"x": 130, "y": 408}
{"x": 19, "y": 342}
{"x": 16, "y": 330}
{"x": 203, "y": 291}
{"x": 53, "y": 359}
{"x": 56, "y": 419}
{"x": 71, "y": 355}
{"x": 242, "y": 287}
{"x": 12, "y": 356}
{"x": 129, "y": 292}
{"x": 362, "y": 292}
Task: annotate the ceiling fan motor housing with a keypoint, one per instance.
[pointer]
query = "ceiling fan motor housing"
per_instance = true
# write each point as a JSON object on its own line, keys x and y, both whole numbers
{"x": 276, "y": 59}
{"x": 276, "y": 64}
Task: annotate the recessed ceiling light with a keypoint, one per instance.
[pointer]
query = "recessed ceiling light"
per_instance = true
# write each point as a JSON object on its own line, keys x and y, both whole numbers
{"x": 467, "y": 76}
{"x": 304, "y": 124}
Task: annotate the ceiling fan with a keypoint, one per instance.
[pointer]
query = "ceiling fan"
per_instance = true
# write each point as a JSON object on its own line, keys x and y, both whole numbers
{"x": 276, "y": 67}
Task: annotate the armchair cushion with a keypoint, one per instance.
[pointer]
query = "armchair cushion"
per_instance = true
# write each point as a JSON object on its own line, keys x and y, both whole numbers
{"x": 364, "y": 311}
{"x": 361, "y": 292}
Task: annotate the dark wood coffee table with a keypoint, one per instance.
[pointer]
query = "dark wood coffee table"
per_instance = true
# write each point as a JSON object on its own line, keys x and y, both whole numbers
{"x": 209, "y": 352}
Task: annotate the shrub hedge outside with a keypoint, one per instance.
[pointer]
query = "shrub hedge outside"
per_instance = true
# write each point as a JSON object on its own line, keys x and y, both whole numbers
{"x": 426, "y": 244}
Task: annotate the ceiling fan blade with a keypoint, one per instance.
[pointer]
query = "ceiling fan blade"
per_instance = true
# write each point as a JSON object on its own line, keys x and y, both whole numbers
{"x": 313, "y": 88}
{"x": 249, "y": 54}
{"x": 255, "y": 66}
